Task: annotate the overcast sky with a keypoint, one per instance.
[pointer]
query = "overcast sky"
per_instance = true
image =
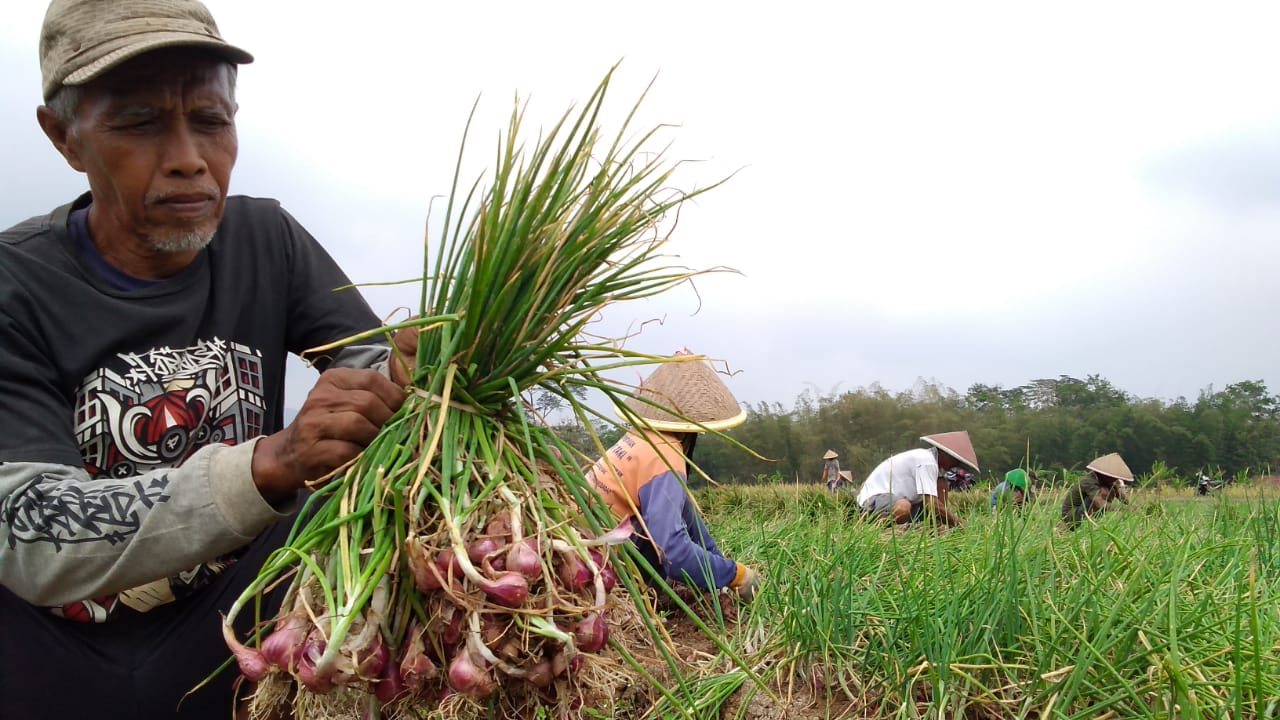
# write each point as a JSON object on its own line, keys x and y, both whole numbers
{"x": 963, "y": 192}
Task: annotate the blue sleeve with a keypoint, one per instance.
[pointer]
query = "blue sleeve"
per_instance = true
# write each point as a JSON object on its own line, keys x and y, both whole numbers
{"x": 684, "y": 544}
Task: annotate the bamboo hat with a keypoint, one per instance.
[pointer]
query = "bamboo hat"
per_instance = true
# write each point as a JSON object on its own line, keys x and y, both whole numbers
{"x": 1112, "y": 466}
{"x": 830, "y": 455}
{"x": 689, "y": 396}
{"x": 957, "y": 445}
{"x": 846, "y": 475}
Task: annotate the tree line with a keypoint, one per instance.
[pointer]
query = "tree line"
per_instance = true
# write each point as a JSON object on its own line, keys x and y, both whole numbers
{"x": 1053, "y": 423}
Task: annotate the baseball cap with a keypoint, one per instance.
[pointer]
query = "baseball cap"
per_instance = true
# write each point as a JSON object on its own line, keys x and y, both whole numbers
{"x": 82, "y": 39}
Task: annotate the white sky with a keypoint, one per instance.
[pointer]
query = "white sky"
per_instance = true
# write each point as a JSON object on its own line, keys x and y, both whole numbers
{"x": 966, "y": 192}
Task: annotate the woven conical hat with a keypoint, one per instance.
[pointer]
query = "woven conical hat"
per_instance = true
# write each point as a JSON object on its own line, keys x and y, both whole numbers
{"x": 1112, "y": 466}
{"x": 689, "y": 388}
{"x": 957, "y": 445}
{"x": 846, "y": 475}
{"x": 830, "y": 455}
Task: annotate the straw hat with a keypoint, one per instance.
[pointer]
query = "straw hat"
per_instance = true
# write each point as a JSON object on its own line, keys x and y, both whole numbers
{"x": 830, "y": 455}
{"x": 690, "y": 397}
{"x": 1112, "y": 466}
{"x": 846, "y": 475}
{"x": 957, "y": 445}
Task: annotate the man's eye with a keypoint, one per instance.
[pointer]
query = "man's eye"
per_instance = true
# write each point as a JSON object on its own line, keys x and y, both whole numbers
{"x": 211, "y": 121}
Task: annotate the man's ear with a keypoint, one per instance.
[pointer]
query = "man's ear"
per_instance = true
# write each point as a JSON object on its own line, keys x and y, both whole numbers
{"x": 59, "y": 133}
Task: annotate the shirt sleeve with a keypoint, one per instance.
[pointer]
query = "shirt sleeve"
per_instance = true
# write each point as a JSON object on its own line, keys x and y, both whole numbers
{"x": 926, "y": 479}
{"x": 684, "y": 545}
{"x": 67, "y": 537}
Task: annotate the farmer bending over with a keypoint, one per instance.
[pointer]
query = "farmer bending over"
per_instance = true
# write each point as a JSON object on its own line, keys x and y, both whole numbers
{"x": 145, "y": 468}
{"x": 1012, "y": 492}
{"x": 1104, "y": 482}
{"x": 644, "y": 475}
{"x": 910, "y": 485}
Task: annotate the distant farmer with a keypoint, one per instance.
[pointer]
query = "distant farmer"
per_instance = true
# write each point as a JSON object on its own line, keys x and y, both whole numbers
{"x": 831, "y": 469}
{"x": 846, "y": 480}
{"x": 1104, "y": 482}
{"x": 1013, "y": 491}
{"x": 911, "y": 484}
{"x": 644, "y": 475}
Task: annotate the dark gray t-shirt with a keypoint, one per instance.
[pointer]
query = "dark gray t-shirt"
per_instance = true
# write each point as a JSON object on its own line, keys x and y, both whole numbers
{"x": 127, "y": 384}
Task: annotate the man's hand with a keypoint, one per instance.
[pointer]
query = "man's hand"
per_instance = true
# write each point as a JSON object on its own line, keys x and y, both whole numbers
{"x": 937, "y": 505}
{"x": 342, "y": 414}
{"x": 403, "y": 355}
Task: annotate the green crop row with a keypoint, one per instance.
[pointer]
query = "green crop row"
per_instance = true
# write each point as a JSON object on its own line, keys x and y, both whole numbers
{"x": 1162, "y": 608}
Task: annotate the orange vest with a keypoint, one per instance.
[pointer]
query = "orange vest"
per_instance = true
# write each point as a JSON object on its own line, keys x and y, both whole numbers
{"x": 630, "y": 464}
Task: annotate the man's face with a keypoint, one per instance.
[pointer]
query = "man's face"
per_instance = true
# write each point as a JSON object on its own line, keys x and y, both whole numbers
{"x": 946, "y": 462}
{"x": 157, "y": 139}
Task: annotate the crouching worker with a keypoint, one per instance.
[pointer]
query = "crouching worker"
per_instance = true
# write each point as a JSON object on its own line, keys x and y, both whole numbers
{"x": 912, "y": 484}
{"x": 644, "y": 475}
{"x": 1095, "y": 491}
{"x": 1012, "y": 492}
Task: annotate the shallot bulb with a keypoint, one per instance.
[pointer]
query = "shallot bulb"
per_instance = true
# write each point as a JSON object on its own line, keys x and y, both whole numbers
{"x": 251, "y": 661}
{"x": 372, "y": 661}
{"x": 591, "y": 633}
{"x": 573, "y": 572}
{"x": 470, "y": 678}
{"x": 481, "y": 549}
{"x": 283, "y": 647}
{"x": 524, "y": 559}
{"x": 451, "y": 633}
{"x": 609, "y": 577}
{"x": 390, "y": 684}
{"x": 314, "y": 680}
{"x": 508, "y": 589}
{"x": 540, "y": 674}
{"x": 415, "y": 667}
{"x": 419, "y": 566}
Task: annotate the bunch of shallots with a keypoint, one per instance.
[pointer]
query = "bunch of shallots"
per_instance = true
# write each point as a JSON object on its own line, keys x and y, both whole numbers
{"x": 462, "y": 558}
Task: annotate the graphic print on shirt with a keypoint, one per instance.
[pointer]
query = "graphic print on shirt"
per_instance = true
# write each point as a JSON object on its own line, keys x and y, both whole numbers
{"x": 154, "y": 410}
{"x": 161, "y": 406}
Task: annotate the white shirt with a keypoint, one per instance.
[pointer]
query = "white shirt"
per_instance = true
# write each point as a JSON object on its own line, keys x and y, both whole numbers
{"x": 907, "y": 475}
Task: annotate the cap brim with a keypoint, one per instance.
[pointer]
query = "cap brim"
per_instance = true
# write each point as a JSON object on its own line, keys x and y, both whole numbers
{"x": 151, "y": 42}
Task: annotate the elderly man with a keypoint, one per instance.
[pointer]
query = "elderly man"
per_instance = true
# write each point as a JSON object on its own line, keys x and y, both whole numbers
{"x": 912, "y": 484}
{"x": 1104, "y": 482}
{"x": 145, "y": 467}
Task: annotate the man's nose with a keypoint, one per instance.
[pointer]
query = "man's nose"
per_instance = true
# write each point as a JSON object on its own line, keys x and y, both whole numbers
{"x": 183, "y": 152}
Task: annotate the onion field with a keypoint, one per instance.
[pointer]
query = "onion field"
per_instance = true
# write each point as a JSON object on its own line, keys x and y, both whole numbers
{"x": 1168, "y": 607}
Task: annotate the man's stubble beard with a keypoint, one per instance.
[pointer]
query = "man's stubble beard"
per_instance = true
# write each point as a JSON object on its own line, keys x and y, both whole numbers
{"x": 181, "y": 241}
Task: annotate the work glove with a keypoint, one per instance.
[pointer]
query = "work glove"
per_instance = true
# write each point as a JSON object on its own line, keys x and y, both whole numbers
{"x": 746, "y": 583}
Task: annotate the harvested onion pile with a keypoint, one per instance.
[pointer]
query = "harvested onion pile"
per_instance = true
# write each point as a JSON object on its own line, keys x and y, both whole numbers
{"x": 463, "y": 561}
